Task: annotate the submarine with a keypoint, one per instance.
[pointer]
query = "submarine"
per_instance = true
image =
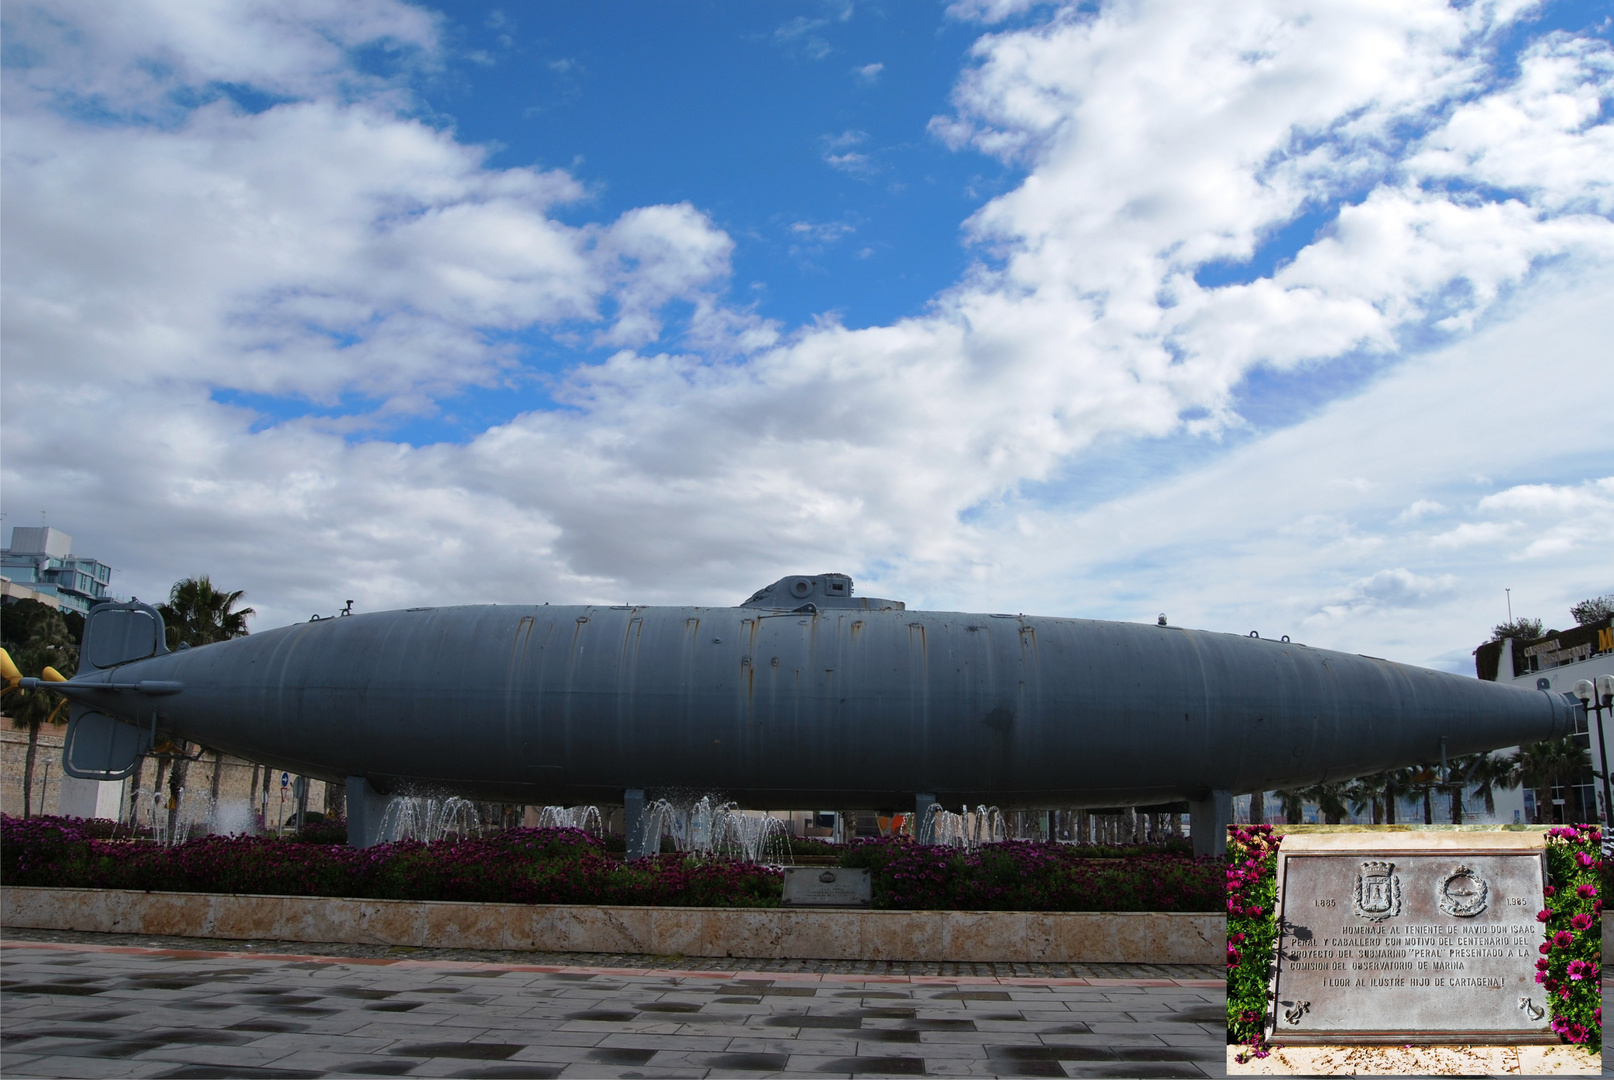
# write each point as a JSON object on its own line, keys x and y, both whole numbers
{"x": 804, "y": 695}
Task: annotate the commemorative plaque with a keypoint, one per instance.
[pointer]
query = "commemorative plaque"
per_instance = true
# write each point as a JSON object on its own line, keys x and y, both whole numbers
{"x": 1402, "y": 938}
{"x": 818, "y": 886}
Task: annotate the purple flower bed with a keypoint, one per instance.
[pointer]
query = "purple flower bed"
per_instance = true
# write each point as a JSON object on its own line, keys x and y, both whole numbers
{"x": 1572, "y": 956}
{"x": 564, "y": 866}
{"x": 1027, "y": 876}
{"x": 521, "y": 866}
{"x": 1252, "y": 935}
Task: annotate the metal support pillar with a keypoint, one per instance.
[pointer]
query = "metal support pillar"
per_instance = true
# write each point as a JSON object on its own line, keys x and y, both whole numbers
{"x": 633, "y": 825}
{"x": 365, "y": 809}
{"x": 1208, "y": 819}
{"x": 923, "y": 826}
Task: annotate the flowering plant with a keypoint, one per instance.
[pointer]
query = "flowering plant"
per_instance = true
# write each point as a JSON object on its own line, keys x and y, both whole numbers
{"x": 1252, "y": 934}
{"x": 1019, "y": 875}
{"x": 558, "y": 866}
{"x": 1570, "y": 966}
{"x": 520, "y": 866}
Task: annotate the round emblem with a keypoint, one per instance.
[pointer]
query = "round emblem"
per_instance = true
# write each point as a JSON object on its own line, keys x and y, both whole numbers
{"x": 1463, "y": 894}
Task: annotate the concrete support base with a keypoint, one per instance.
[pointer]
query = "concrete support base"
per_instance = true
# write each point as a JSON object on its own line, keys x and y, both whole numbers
{"x": 1208, "y": 819}
{"x": 633, "y": 825}
{"x": 365, "y": 809}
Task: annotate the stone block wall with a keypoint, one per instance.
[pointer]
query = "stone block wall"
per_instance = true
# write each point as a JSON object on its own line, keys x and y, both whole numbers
{"x": 240, "y": 782}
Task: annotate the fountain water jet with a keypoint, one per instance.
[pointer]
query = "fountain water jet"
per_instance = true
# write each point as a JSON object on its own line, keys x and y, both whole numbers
{"x": 586, "y": 818}
{"x": 709, "y": 827}
{"x": 967, "y": 830}
{"x": 429, "y": 818}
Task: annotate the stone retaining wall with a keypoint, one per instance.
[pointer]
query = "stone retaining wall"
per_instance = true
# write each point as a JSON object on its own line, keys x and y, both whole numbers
{"x": 759, "y": 933}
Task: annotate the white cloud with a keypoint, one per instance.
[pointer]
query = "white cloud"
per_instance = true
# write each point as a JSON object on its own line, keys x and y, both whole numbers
{"x": 1397, "y": 590}
{"x": 1591, "y": 496}
{"x": 1470, "y": 533}
{"x": 1544, "y": 136}
{"x": 1420, "y": 509}
{"x": 333, "y": 248}
{"x": 991, "y": 11}
{"x": 131, "y": 58}
{"x": 868, "y": 73}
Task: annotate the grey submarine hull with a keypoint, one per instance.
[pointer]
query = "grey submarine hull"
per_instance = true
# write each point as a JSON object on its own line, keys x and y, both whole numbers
{"x": 780, "y": 706}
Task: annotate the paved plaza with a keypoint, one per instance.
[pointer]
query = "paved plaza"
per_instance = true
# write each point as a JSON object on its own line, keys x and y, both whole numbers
{"x": 107, "y": 1005}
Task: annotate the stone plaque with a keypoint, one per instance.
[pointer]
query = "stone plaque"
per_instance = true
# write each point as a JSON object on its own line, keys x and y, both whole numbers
{"x": 826, "y": 886}
{"x": 1381, "y": 942}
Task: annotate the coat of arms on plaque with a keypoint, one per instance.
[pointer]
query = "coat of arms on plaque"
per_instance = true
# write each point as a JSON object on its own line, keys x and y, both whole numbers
{"x": 1463, "y": 894}
{"x": 1377, "y": 895}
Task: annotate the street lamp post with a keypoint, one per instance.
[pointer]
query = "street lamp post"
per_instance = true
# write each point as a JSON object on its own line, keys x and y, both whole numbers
{"x": 1596, "y": 698}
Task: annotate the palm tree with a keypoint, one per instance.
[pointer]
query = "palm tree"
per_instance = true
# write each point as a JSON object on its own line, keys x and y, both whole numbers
{"x": 1481, "y": 772}
{"x": 1392, "y": 794}
{"x": 1258, "y": 807}
{"x": 1366, "y": 794}
{"x": 1458, "y": 770}
{"x": 1548, "y": 764}
{"x": 47, "y": 650}
{"x": 1293, "y": 801}
{"x": 1400, "y": 783}
{"x": 198, "y": 614}
{"x": 1489, "y": 774}
{"x": 1422, "y": 781}
{"x": 1330, "y": 800}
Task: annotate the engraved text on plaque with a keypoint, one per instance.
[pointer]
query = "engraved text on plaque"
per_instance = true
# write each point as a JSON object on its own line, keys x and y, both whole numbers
{"x": 1397, "y": 946}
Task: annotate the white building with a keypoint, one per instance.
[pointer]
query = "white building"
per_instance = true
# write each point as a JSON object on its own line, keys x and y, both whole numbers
{"x": 40, "y": 565}
{"x": 1557, "y": 662}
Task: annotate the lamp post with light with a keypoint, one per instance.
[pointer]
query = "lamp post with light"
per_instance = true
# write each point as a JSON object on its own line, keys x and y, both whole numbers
{"x": 1596, "y": 698}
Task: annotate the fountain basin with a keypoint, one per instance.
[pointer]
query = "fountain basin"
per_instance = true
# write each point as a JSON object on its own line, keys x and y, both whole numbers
{"x": 756, "y": 933}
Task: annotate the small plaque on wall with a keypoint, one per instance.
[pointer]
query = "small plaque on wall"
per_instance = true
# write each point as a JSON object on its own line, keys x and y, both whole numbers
{"x": 832, "y": 886}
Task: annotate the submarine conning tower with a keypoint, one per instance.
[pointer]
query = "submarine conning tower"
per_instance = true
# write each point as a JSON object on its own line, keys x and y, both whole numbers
{"x": 806, "y": 594}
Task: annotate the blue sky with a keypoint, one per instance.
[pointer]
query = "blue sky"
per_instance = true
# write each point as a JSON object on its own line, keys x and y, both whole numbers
{"x": 1001, "y": 304}
{"x": 738, "y": 109}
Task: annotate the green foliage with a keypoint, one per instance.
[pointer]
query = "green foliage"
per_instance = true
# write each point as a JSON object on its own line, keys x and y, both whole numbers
{"x": 550, "y": 866}
{"x": 1570, "y": 968}
{"x": 1022, "y": 875}
{"x": 1541, "y": 765}
{"x": 198, "y": 614}
{"x": 37, "y": 637}
{"x": 1252, "y": 934}
{"x": 1520, "y": 629}
{"x": 1592, "y": 611}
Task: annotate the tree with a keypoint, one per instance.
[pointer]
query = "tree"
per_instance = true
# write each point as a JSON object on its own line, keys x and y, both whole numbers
{"x": 1366, "y": 795}
{"x": 1330, "y": 800}
{"x": 1520, "y": 629}
{"x": 1293, "y": 801}
{"x": 1421, "y": 782}
{"x": 198, "y": 614}
{"x": 1486, "y": 774}
{"x": 1392, "y": 795}
{"x": 1596, "y": 610}
{"x": 1548, "y": 764}
{"x": 1258, "y": 807}
{"x": 42, "y": 640}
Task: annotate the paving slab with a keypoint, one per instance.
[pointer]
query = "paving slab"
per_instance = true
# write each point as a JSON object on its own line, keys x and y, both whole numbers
{"x": 116, "y": 1005}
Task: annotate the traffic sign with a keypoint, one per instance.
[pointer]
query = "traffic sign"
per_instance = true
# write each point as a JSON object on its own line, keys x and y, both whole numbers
{"x": 285, "y": 780}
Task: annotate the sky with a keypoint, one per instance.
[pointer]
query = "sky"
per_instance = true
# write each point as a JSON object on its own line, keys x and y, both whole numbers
{"x": 1287, "y": 317}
